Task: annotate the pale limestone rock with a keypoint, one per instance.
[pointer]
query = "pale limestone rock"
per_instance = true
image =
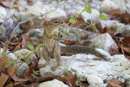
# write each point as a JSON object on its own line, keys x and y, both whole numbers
{"x": 86, "y": 66}
{"x": 108, "y": 5}
{"x": 22, "y": 69}
{"x": 53, "y": 83}
{"x": 10, "y": 55}
{"x": 19, "y": 53}
{"x": 117, "y": 27}
{"x": 2, "y": 13}
{"x": 95, "y": 81}
{"x": 85, "y": 16}
{"x": 38, "y": 9}
{"x": 103, "y": 41}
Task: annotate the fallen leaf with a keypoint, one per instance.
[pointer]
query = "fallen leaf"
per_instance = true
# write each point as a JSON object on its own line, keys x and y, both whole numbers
{"x": 126, "y": 49}
{"x": 126, "y": 41}
{"x": 3, "y": 79}
{"x": 115, "y": 11}
{"x": 69, "y": 42}
{"x": 3, "y": 63}
{"x": 10, "y": 71}
{"x": 15, "y": 78}
{"x": 113, "y": 84}
{"x": 86, "y": 43}
{"x": 71, "y": 78}
{"x": 9, "y": 85}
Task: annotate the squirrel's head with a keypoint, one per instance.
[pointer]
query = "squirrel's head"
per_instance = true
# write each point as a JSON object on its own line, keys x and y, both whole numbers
{"x": 55, "y": 23}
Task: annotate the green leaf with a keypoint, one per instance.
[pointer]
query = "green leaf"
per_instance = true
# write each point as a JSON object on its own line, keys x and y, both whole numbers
{"x": 89, "y": 21}
{"x": 43, "y": 20}
{"x": 73, "y": 32}
{"x": 2, "y": 29}
{"x": 9, "y": 63}
{"x": 66, "y": 71}
{"x": 14, "y": 62}
{"x": 78, "y": 38}
{"x": 31, "y": 22}
{"x": 86, "y": 2}
{"x": 73, "y": 70}
{"x": 87, "y": 5}
{"x": 33, "y": 76}
{"x": 95, "y": 29}
{"x": 27, "y": 43}
{"x": 61, "y": 29}
{"x": 90, "y": 6}
{"x": 55, "y": 38}
{"x": 27, "y": 61}
{"x": 40, "y": 45}
{"x": 30, "y": 46}
{"x": 88, "y": 9}
{"x": 15, "y": 16}
{"x": 4, "y": 54}
{"x": 103, "y": 17}
{"x": 66, "y": 32}
{"x": 72, "y": 20}
{"x": 34, "y": 42}
{"x": 100, "y": 11}
{"x": 24, "y": 54}
{"x": 36, "y": 72}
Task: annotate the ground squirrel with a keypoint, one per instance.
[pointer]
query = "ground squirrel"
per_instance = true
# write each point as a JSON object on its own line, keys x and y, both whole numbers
{"x": 53, "y": 49}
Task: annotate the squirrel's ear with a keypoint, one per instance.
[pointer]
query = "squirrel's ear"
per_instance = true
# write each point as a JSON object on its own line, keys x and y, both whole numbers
{"x": 47, "y": 22}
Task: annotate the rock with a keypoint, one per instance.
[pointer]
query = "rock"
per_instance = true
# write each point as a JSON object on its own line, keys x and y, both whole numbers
{"x": 9, "y": 24}
{"x": 38, "y": 9}
{"x": 85, "y": 16}
{"x": 19, "y": 54}
{"x": 118, "y": 28}
{"x": 107, "y": 23}
{"x": 89, "y": 69}
{"x": 2, "y": 13}
{"x": 36, "y": 33}
{"x": 126, "y": 29}
{"x": 24, "y": 52}
{"x": 53, "y": 83}
{"x": 23, "y": 69}
{"x": 115, "y": 25}
{"x": 108, "y": 5}
{"x": 95, "y": 81}
{"x": 103, "y": 41}
{"x": 10, "y": 55}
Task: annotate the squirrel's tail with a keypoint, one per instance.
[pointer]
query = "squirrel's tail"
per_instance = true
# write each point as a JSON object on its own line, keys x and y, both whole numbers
{"x": 83, "y": 50}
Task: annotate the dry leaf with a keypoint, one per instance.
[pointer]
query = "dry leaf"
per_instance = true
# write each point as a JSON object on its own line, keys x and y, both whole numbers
{"x": 126, "y": 41}
{"x": 3, "y": 79}
{"x": 86, "y": 43}
{"x": 10, "y": 85}
{"x": 113, "y": 84}
{"x": 71, "y": 78}
{"x": 3, "y": 63}
{"x": 115, "y": 11}
{"x": 15, "y": 78}
{"x": 69, "y": 42}
{"x": 10, "y": 71}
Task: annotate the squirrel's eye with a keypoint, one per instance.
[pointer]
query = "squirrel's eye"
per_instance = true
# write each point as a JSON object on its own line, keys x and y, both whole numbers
{"x": 56, "y": 22}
